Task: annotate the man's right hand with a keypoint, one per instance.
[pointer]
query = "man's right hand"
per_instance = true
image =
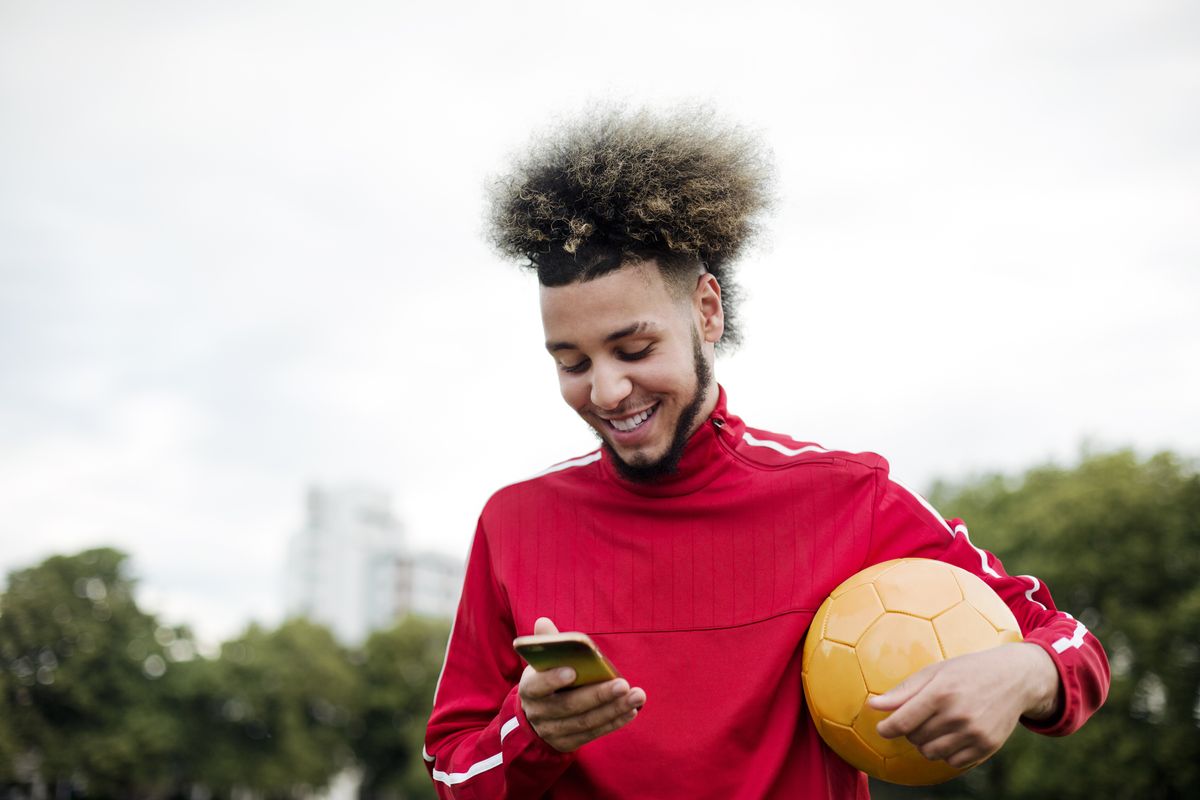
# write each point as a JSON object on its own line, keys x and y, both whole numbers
{"x": 568, "y": 720}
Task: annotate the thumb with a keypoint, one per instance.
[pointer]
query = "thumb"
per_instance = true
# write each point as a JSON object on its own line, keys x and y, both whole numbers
{"x": 902, "y": 692}
{"x": 544, "y": 625}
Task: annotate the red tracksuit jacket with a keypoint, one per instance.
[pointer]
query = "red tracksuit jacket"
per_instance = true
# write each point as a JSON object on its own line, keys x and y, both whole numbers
{"x": 700, "y": 590}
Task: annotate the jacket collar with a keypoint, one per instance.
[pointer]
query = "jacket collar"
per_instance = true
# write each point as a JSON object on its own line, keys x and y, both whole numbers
{"x": 703, "y": 459}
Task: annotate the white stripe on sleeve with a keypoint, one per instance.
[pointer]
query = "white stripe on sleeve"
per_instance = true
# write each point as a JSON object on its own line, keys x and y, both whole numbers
{"x": 1029, "y": 594}
{"x": 983, "y": 564}
{"x": 452, "y": 778}
{"x": 925, "y": 503}
{"x": 957, "y": 530}
{"x": 1074, "y": 641}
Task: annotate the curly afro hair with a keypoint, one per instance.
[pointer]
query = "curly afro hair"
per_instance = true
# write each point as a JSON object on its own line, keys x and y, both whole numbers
{"x": 679, "y": 188}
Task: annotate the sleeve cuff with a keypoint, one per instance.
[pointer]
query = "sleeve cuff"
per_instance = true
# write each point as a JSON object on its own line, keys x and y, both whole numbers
{"x": 520, "y": 744}
{"x": 1059, "y": 723}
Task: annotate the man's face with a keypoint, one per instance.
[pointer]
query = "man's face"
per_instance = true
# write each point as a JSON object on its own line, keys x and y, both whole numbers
{"x": 633, "y": 361}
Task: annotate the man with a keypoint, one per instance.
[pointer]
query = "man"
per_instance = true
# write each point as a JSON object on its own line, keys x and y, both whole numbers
{"x": 692, "y": 548}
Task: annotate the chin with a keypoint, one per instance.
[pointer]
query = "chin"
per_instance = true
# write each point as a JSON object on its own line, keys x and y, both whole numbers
{"x": 639, "y": 459}
{"x": 641, "y": 466}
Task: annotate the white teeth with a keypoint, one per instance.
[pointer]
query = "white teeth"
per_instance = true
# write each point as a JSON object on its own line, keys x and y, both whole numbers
{"x": 630, "y": 423}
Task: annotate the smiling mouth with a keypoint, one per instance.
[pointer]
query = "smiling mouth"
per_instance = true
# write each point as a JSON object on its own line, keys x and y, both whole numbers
{"x": 632, "y": 423}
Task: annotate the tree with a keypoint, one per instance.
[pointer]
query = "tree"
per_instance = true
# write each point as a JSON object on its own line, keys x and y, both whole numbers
{"x": 1118, "y": 542}
{"x": 85, "y": 674}
{"x": 273, "y": 711}
{"x": 398, "y": 673}
{"x": 9, "y": 750}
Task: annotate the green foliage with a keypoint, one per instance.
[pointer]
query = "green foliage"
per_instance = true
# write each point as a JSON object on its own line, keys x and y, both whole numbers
{"x": 9, "y": 751}
{"x": 273, "y": 711}
{"x": 85, "y": 677}
{"x": 1117, "y": 540}
{"x": 399, "y": 669}
{"x": 98, "y": 699}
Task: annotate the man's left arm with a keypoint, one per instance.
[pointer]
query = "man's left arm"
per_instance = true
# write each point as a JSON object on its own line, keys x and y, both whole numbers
{"x": 963, "y": 709}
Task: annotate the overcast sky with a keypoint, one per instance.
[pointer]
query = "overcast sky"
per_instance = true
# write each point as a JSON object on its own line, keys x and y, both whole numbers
{"x": 240, "y": 252}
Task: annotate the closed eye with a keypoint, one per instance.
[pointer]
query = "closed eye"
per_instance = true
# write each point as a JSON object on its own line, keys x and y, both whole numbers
{"x": 639, "y": 355}
{"x": 575, "y": 368}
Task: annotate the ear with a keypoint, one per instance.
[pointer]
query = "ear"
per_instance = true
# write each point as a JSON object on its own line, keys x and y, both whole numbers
{"x": 706, "y": 302}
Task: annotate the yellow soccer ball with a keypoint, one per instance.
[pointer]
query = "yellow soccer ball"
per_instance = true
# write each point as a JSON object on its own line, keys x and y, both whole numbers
{"x": 876, "y": 629}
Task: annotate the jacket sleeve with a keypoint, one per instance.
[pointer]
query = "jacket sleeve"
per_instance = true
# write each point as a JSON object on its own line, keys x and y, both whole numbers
{"x": 478, "y": 743}
{"x": 906, "y": 525}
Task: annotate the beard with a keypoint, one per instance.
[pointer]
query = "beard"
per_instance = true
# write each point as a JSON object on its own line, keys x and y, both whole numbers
{"x": 668, "y": 462}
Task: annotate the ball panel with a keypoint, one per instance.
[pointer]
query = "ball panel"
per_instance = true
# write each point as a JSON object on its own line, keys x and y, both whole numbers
{"x": 852, "y": 613}
{"x": 847, "y": 744}
{"x": 835, "y": 682}
{"x": 916, "y": 770}
{"x": 984, "y": 598}
{"x": 893, "y": 648}
{"x": 815, "y": 632}
{"x": 963, "y": 630}
{"x": 934, "y": 585}
{"x": 864, "y": 726}
{"x": 1008, "y": 637}
{"x": 864, "y": 576}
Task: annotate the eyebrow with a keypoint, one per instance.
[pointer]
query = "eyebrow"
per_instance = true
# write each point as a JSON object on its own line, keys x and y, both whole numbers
{"x": 628, "y": 330}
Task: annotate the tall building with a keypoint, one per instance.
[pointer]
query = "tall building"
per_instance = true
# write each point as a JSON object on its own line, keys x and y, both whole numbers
{"x": 348, "y": 567}
{"x": 428, "y": 584}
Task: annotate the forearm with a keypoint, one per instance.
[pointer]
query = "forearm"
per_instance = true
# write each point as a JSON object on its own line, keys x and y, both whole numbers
{"x": 1043, "y": 689}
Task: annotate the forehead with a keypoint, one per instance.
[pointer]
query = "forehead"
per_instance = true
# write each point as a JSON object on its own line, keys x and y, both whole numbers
{"x": 586, "y": 309}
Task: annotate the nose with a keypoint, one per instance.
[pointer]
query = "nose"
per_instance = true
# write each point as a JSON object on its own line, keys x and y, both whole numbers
{"x": 610, "y": 386}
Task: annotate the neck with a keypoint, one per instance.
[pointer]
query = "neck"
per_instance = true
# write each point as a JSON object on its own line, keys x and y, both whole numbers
{"x": 711, "y": 394}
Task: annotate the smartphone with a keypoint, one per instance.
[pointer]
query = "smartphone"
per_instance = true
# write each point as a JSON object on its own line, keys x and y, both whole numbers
{"x": 547, "y": 651}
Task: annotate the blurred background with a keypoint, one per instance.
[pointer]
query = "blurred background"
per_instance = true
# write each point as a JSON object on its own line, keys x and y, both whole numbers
{"x": 254, "y": 349}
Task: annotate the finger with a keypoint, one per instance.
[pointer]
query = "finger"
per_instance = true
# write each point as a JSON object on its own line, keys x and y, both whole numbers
{"x": 571, "y": 702}
{"x": 954, "y": 751}
{"x": 543, "y": 625}
{"x": 596, "y": 719}
{"x": 572, "y": 732}
{"x": 910, "y": 716}
{"x": 575, "y": 702}
{"x": 934, "y": 727}
{"x": 942, "y": 748}
{"x": 578, "y": 740}
{"x": 536, "y": 685}
{"x": 967, "y": 758}
{"x": 899, "y": 694}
